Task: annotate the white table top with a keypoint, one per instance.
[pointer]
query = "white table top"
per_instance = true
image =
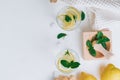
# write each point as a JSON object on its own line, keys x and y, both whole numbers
{"x": 28, "y": 44}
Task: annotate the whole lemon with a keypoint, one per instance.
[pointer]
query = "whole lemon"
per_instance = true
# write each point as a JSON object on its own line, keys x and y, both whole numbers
{"x": 86, "y": 76}
{"x": 111, "y": 73}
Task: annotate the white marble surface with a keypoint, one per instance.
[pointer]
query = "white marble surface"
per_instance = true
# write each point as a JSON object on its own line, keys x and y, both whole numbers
{"x": 28, "y": 44}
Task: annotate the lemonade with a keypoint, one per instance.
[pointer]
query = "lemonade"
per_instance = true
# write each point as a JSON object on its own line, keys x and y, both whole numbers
{"x": 65, "y": 59}
{"x": 69, "y": 18}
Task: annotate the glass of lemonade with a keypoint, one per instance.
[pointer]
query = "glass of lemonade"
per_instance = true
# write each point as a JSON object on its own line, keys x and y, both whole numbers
{"x": 70, "y": 56}
{"x": 69, "y": 18}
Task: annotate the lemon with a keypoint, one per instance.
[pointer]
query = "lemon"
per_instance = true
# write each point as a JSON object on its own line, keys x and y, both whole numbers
{"x": 86, "y": 76}
{"x": 111, "y": 73}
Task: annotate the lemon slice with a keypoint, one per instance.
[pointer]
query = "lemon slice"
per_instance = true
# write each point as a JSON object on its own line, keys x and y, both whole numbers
{"x": 77, "y": 13}
{"x": 69, "y": 57}
{"x": 62, "y": 68}
{"x": 61, "y": 17}
{"x": 69, "y": 25}
{"x": 73, "y": 14}
{"x": 65, "y": 23}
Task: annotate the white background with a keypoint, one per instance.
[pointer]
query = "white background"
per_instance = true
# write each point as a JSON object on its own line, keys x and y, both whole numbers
{"x": 28, "y": 44}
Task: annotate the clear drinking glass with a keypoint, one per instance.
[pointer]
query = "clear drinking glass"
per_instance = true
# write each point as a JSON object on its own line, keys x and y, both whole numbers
{"x": 61, "y": 56}
{"x": 69, "y": 18}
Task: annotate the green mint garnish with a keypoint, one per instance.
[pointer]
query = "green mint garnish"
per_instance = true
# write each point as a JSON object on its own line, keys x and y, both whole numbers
{"x": 100, "y": 39}
{"x": 71, "y": 64}
{"x": 67, "y": 53}
{"x": 89, "y": 44}
{"x": 67, "y": 18}
{"x": 61, "y": 35}
{"x": 75, "y": 18}
{"x": 74, "y": 65}
{"x": 103, "y": 40}
{"x": 82, "y": 15}
{"x": 65, "y": 63}
{"x": 99, "y": 35}
{"x": 92, "y": 51}
{"x": 104, "y": 45}
{"x": 90, "y": 48}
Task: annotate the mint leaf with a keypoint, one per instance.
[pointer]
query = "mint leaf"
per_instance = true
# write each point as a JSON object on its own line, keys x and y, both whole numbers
{"x": 103, "y": 40}
{"x": 75, "y": 17}
{"x": 67, "y": 52}
{"x": 67, "y": 18}
{"x": 65, "y": 63}
{"x": 104, "y": 45}
{"x": 82, "y": 15}
{"x": 74, "y": 64}
{"x": 61, "y": 35}
{"x": 92, "y": 51}
{"x": 90, "y": 48}
{"x": 89, "y": 43}
{"x": 99, "y": 35}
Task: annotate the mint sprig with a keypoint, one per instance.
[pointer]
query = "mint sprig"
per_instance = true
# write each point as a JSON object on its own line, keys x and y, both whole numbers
{"x": 67, "y": 52}
{"x": 100, "y": 38}
{"x": 71, "y": 64}
{"x": 91, "y": 48}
